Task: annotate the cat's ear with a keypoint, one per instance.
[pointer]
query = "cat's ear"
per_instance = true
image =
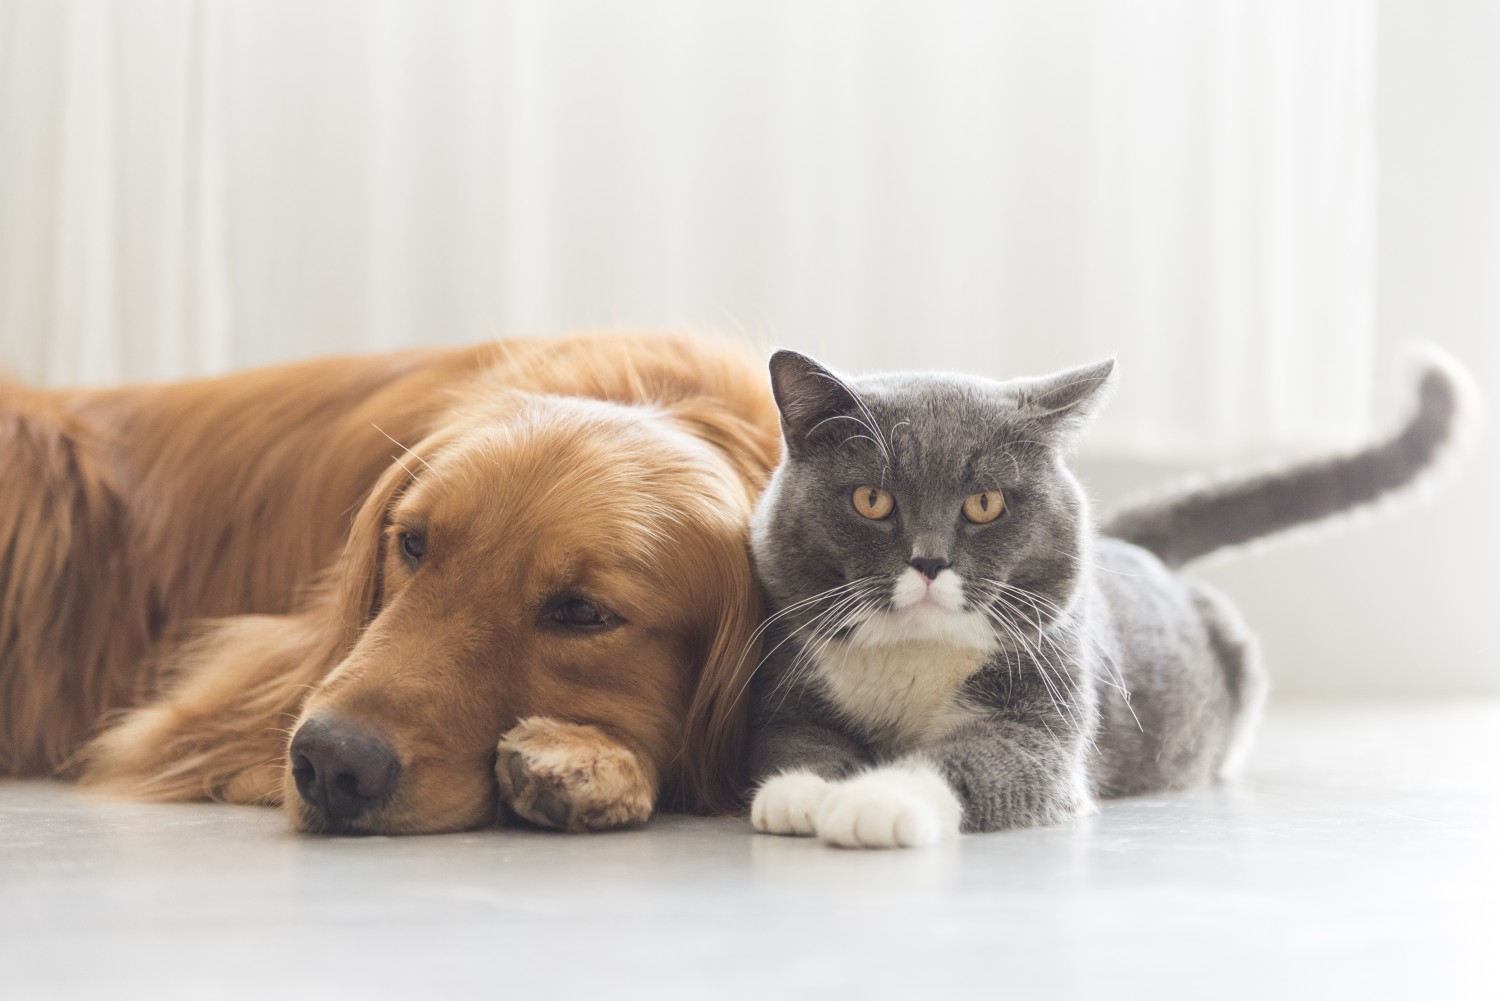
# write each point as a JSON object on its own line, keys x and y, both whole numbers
{"x": 1064, "y": 402}
{"x": 808, "y": 396}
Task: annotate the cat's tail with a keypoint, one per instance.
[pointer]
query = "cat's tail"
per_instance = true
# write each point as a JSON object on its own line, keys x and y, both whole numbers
{"x": 1195, "y": 520}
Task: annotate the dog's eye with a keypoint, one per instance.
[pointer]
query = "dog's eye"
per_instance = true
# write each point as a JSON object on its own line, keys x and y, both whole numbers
{"x": 413, "y": 547}
{"x": 578, "y": 613}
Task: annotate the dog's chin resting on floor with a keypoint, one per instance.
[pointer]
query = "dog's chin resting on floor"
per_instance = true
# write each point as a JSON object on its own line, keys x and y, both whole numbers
{"x": 392, "y": 592}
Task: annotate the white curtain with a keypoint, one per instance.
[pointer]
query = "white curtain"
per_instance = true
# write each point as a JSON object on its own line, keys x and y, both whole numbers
{"x": 1000, "y": 187}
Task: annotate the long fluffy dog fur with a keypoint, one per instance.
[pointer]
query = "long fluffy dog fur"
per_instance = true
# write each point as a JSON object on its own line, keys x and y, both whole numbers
{"x": 199, "y": 563}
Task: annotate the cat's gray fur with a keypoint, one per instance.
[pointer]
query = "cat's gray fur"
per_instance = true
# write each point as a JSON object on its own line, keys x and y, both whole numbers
{"x": 1097, "y": 670}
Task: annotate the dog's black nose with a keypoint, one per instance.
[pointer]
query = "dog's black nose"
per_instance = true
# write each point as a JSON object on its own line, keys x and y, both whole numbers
{"x": 340, "y": 769}
{"x": 930, "y": 567}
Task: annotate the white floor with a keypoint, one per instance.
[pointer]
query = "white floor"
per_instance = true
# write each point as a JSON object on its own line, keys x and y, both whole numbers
{"x": 1358, "y": 858}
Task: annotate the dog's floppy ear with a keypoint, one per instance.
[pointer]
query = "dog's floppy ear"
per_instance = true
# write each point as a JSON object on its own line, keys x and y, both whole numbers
{"x": 349, "y": 594}
{"x": 353, "y": 585}
{"x": 739, "y": 421}
{"x": 713, "y": 759}
{"x": 237, "y": 685}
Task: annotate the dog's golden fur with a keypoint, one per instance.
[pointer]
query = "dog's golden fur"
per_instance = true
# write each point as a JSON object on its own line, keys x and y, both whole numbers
{"x": 219, "y": 560}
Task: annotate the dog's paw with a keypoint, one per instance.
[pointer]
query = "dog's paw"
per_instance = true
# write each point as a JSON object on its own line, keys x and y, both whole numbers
{"x": 895, "y": 807}
{"x": 786, "y": 804}
{"x": 572, "y": 777}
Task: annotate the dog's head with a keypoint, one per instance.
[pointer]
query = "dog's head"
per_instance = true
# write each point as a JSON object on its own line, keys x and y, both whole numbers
{"x": 538, "y": 556}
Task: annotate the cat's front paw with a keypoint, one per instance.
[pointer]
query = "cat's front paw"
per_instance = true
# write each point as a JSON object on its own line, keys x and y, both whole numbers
{"x": 786, "y": 804}
{"x": 897, "y": 807}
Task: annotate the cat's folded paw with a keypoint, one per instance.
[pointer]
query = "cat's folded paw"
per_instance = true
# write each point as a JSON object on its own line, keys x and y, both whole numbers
{"x": 786, "y": 804}
{"x": 897, "y": 807}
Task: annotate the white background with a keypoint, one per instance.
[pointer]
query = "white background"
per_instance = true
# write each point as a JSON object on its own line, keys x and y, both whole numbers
{"x": 998, "y": 186}
{"x": 1410, "y": 606}
{"x": 1253, "y": 203}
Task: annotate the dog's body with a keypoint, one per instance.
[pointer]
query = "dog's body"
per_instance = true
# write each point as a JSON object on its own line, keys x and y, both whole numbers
{"x": 562, "y": 546}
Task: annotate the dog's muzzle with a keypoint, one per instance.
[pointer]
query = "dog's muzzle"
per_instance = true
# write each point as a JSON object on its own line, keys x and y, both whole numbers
{"x": 342, "y": 771}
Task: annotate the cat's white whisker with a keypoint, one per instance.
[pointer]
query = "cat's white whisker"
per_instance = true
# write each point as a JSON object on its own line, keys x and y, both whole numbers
{"x": 873, "y": 436}
{"x": 1093, "y": 565}
{"x": 804, "y": 659}
{"x": 809, "y": 658}
{"x": 777, "y": 616}
{"x": 1041, "y": 662}
{"x": 408, "y": 451}
{"x": 1114, "y": 679}
{"x": 811, "y": 624}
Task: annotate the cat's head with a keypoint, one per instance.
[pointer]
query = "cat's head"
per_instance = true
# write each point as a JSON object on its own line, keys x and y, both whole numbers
{"x": 924, "y": 507}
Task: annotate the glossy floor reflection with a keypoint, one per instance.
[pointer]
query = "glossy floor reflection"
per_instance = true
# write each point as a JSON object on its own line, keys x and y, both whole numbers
{"x": 1358, "y": 857}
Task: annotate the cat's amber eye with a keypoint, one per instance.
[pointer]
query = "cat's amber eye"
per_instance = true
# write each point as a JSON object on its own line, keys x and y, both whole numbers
{"x": 983, "y": 508}
{"x": 873, "y": 502}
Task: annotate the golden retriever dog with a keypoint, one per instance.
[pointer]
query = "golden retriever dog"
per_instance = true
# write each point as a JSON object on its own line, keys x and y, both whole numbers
{"x": 392, "y": 592}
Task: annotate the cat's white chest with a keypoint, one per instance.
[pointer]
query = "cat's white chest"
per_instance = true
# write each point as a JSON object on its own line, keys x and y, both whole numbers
{"x": 900, "y": 693}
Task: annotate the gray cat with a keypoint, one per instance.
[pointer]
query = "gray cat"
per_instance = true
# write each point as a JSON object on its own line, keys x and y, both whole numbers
{"x": 953, "y": 647}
